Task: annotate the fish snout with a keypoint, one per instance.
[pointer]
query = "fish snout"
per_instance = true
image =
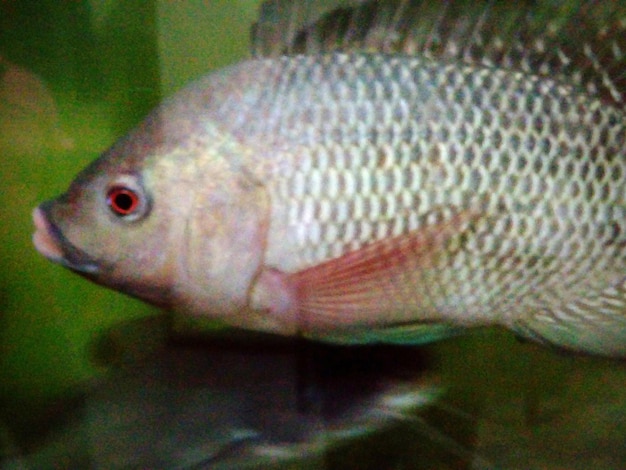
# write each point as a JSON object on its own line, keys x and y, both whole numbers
{"x": 51, "y": 243}
{"x": 45, "y": 243}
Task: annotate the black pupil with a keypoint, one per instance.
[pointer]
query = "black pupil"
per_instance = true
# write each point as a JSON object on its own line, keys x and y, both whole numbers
{"x": 123, "y": 201}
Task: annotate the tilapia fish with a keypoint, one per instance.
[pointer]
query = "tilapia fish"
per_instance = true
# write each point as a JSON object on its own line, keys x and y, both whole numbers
{"x": 388, "y": 172}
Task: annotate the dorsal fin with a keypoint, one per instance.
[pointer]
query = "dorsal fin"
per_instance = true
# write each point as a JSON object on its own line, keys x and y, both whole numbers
{"x": 580, "y": 43}
{"x": 281, "y": 21}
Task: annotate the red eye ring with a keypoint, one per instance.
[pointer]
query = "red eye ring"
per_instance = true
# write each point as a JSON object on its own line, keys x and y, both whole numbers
{"x": 122, "y": 200}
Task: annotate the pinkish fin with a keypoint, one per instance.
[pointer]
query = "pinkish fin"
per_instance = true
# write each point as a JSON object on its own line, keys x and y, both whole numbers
{"x": 383, "y": 286}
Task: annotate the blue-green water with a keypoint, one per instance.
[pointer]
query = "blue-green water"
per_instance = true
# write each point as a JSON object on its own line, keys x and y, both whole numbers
{"x": 74, "y": 76}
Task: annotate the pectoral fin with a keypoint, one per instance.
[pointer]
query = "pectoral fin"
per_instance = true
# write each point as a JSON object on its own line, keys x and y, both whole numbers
{"x": 367, "y": 293}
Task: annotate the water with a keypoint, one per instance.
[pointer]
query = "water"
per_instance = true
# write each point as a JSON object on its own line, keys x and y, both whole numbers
{"x": 77, "y": 75}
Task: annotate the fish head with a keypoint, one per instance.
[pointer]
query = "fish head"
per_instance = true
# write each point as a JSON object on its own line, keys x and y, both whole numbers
{"x": 166, "y": 215}
{"x": 114, "y": 223}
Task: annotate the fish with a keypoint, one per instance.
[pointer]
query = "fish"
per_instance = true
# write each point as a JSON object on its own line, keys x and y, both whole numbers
{"x": 206, "y": 403}
{"x": 388, "y": 172}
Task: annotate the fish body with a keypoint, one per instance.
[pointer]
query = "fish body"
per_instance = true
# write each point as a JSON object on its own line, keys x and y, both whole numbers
{"x": 364, "y": 196}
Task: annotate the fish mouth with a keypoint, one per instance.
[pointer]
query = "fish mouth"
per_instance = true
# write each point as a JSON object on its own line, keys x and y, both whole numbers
{"x": 51, "y": 243}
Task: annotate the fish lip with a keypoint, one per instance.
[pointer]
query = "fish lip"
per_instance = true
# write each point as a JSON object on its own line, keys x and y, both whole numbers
{"x": 51, "y": 243}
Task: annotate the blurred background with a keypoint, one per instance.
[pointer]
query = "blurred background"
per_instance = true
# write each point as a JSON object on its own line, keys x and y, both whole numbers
{"x": 77, "y": 75}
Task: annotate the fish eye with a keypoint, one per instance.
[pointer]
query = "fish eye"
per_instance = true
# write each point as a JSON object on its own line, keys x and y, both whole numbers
{"x": 123, "y": 201}
{"x": 126, "y": 199}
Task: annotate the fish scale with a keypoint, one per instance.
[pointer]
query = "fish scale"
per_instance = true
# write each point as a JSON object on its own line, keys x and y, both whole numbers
{"x": 499, "y": 151}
